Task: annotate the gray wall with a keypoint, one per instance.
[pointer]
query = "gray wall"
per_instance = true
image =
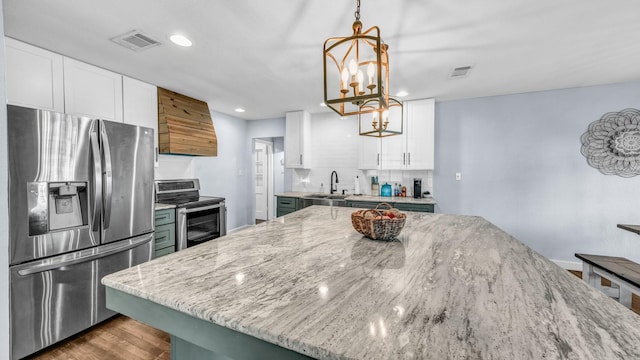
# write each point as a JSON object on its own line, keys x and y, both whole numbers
{"x": 522, "y": 169}
{"x": 4, "y": 215}
{"x": 227, "y": 174}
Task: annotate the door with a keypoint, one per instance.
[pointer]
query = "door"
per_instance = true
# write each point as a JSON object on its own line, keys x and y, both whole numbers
{"x": 368, "y": 152}
{"x": 262, "y": 164}
{"x": 420, "y": 134}
{"x": 127, "y": 154}
{"x": 58, "y": 297}
{"x": 48, "y": 150}
{"x": 92, "y": 91}
{"x": 33, "y": 76}
{"x": 140, "y": 106}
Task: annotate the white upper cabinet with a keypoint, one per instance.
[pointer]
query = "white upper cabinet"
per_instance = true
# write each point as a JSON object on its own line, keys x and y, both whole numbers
{"x": 419, "y": 139}
{"x": 368, "y": 153}
{"x": 92, "y": 91}
{"x": 140, "y": 106}
{"x": 34, "y": 77}
{"x": 297, "y": 140}
{"x": 412, "y": 150}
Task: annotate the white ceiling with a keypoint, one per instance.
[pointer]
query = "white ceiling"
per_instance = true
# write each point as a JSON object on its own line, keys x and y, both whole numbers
{"x": 266, "y": 56}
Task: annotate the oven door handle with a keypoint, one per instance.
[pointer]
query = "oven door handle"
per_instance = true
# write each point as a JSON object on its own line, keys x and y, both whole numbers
{"x": 202, "y": 208}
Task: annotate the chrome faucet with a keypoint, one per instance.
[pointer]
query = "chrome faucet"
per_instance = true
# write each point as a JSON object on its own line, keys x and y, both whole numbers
{"x": 332, "y": 189}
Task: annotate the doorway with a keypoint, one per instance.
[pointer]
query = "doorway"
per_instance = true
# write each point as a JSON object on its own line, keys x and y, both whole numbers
{"x": 263, "y": 169}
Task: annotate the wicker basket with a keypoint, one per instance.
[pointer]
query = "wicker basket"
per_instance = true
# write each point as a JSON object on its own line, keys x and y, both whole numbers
{"x": 371, "y": 224}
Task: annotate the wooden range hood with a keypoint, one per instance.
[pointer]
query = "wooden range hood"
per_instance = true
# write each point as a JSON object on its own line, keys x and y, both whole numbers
{"x": 184, "y": 125}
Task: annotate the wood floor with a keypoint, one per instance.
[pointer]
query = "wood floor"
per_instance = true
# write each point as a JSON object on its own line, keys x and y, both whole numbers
{"x": 122, "y": 338}
{"x": 117, "y": 338}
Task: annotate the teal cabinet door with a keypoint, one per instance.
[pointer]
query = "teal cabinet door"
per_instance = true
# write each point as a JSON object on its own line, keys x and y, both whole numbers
{"x": 414, "y": 207}
{"x": 287, "y": 205}
{"x": 165, "y": 234}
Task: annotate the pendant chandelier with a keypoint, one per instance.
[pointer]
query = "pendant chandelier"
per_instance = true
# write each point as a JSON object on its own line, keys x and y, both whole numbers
{"x": 356, "y": 70}
{"x": 374, "y": 119}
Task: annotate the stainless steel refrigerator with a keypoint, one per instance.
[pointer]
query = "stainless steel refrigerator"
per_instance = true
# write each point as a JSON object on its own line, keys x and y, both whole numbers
{"x": 81, "y": 207}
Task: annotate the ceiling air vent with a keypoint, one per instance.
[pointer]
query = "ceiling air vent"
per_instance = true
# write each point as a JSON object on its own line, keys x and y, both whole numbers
{"x": 135, "y": 40}
{"x": 460, "y": 72}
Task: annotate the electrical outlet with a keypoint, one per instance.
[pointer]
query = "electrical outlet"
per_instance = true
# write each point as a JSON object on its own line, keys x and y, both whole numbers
{"x": 458, "y": 176}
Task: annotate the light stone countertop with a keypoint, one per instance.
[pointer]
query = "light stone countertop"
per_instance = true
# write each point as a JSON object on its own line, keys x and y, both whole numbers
{"x": 160, "y": 206}
{"x": 394, "y": 199}
{"x": 452, "y": 287}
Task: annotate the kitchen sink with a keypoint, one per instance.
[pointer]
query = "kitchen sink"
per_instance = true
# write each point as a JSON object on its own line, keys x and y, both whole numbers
{"x": 337, "y": 197}
{"x": 324, "y": 199}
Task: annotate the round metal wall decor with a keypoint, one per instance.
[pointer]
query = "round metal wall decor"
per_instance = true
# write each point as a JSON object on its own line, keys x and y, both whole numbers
{"x": 612, "y": 144}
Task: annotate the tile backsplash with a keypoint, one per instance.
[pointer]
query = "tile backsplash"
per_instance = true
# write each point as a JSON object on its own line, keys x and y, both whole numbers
{"x": 174, "y": 167}
{"x": 319, "y": 179}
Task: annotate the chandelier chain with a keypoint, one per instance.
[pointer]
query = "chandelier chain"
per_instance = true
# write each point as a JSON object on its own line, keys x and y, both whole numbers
{"x": 357, "y": 13}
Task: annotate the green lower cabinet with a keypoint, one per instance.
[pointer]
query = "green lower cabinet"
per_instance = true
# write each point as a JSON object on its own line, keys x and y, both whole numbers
{"x": 398, "y": 205}
{"x": 165, "y": 235}
{"x": 287, "y": 205}
{"x": 362, "y": 204}
{"x": 414, "y": 207}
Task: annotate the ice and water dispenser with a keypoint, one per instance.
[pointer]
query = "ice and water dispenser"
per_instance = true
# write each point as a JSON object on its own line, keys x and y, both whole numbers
{"x": 56, "y": 206}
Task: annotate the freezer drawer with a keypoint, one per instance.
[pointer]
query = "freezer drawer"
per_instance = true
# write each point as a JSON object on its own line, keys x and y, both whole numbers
{"x": 55, "y": 298}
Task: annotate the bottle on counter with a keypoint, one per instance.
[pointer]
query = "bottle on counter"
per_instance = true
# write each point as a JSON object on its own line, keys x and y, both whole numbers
{"x": 322, "y": 188}
{"x": 404, "y": 191}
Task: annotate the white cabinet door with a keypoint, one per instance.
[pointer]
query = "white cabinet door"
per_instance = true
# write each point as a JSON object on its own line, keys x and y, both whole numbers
{"x": 368, "y": 153}
{"x": 140, "y": 106}
{"x": 420, "y": 134}
{"x": 34, "y": 77}
{"x": 297, "y": 140}
{"x": 92, "y": 91}
{"x": 392, "y": 152}
{"x": 413, "y": 149}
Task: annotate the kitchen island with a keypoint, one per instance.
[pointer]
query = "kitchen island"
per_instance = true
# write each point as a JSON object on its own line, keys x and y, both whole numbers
{"x": 308, "y": 285}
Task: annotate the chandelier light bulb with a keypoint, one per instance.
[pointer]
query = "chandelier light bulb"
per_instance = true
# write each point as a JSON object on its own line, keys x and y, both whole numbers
{"x": 371, "y": 70}
{"x": 385, "y": 115}
{"x": 345, "y": 78}
{"x": 353, "y": 67}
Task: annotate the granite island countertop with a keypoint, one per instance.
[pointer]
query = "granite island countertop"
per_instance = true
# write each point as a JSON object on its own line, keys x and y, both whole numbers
{"x": 371, "y": 198}
{"x": 451, "y": 287}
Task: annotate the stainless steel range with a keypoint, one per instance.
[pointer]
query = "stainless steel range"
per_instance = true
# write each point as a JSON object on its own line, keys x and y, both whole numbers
{"x": 199, "y": 218}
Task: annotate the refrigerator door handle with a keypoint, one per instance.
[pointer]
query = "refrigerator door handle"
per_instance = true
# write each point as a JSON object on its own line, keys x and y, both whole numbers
{"x": 97, "y": 182}
{"x": 108, "y": 178}
{"x": 83, "y": 256}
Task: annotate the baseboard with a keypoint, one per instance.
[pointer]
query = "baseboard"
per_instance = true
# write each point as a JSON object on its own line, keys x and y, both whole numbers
{"x": 568, "y": 265}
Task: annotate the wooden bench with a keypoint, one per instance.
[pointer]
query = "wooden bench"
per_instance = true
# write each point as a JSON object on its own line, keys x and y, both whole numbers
{"x": 624, "y": 275}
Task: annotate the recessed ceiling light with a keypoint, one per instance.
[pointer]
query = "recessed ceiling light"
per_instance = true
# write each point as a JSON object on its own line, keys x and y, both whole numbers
{"x": 180, "y": 40}
{"x": 323, "y": 104}
{"x": 241, "y": 110}
{"x": 402, "y": 93}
